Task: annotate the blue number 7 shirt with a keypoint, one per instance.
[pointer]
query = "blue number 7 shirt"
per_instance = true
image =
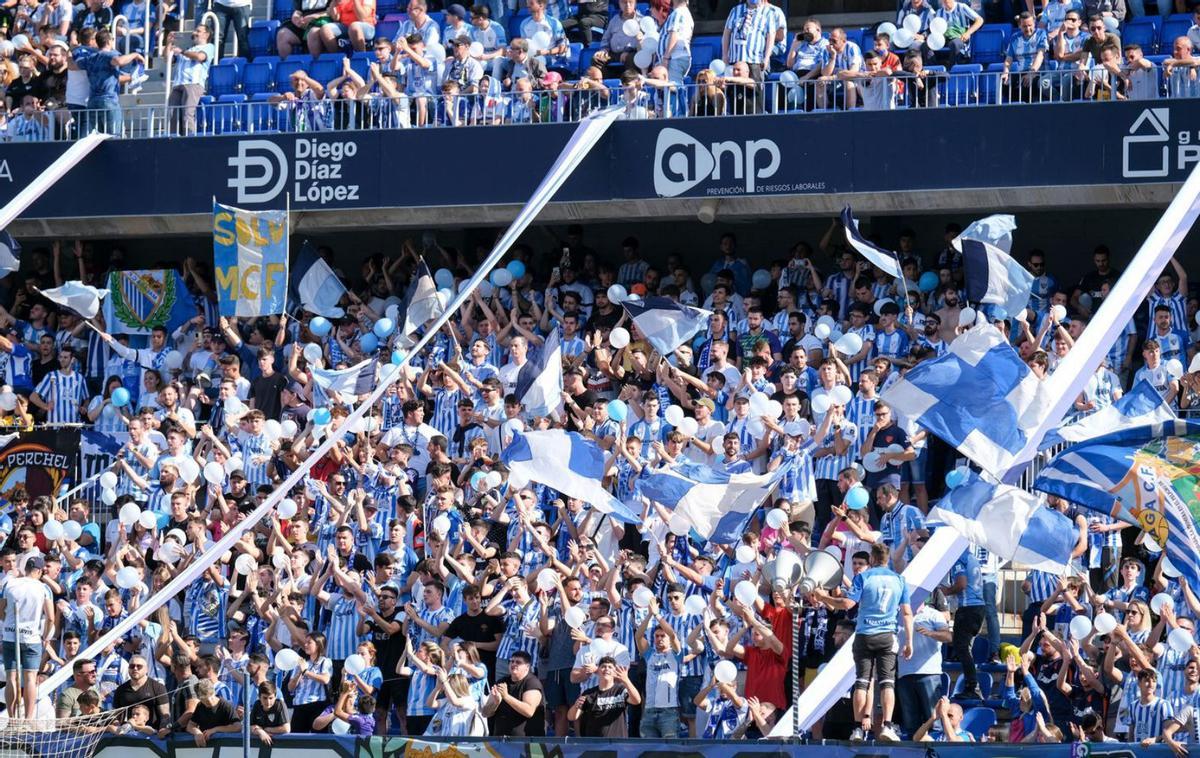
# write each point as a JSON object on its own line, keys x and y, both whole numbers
{"x": 879, "y": 593}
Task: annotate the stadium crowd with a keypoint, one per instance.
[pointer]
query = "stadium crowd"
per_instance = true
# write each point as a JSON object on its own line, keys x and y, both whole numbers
{"x": 404, "y": 588}
{"x": 347, "y": 64}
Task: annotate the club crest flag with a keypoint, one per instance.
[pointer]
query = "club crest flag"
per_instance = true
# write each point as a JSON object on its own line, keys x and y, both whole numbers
{"x": 140, "y": 300}
{"x": 250, "y": 260}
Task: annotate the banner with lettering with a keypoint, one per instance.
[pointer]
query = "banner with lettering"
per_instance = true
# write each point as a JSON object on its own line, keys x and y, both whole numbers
{"x": 38, "y": 462}
{"x": 250, "y": 260}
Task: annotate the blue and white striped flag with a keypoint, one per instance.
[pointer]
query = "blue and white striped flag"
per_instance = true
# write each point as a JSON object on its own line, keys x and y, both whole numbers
{"x": 422, "y": 302}
{"x": 314, "y": 285}
{"x": 343, "y": 386}
{"x": 995, "y": 230}
{"x": 665, "y": 323}
{"x": 979, "y": 397}
{"x": 882, "y": 258}
{"x": 10, "y": 254}
{"x": 1141, "y": 406}
{"x": 993, "y": 276}
{"x": 540, "y": 384}
{"x": 716, "y": 504}
{"x": 1009, "y": 522}
{"x": 78, "y": 297}
{"x": 566, "y": 462}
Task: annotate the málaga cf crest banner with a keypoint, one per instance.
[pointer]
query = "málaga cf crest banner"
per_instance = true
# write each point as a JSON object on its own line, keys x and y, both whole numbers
{"x": 138, "y": 301}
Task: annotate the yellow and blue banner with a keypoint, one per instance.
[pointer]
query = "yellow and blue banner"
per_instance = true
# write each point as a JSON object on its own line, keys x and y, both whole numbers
{"x": 250, "y": 260}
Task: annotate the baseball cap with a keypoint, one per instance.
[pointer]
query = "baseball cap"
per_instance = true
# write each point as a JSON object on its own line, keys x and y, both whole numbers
{"x": 793, "y": 429}
{"x": 237, "y": 474}
{"x": 368, "y": 501}
{"x": 552, "y": 77}
{"x": 458, "y": 11}
{"x": 35, "y": 562}
{"x": 707, "y": 403}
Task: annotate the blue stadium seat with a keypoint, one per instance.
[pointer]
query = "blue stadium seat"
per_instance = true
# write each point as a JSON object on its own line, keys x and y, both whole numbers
{"x": 515, "y": 21}
{"x": 987, "y": 45}
{"x": 261, "y": 114}
{"x": 281, "y": 10}
{"x": 856, "y": 36}
{"x": 387, "y": 29}
{"x": 703, "y": 52}
{"x": 962, "y": 88}
{"x": 574, "y": 55}
{"x": 259, "y": 77}
{"x": 236, "y": 61}
{"x": 284, "y": 71}
{"x": 439, "y": 18}
{"x": 202, "y": 115}
{"x": 325, "y": 70}
{"x": 978, "y": 721}
{"x": 1141, "y": 31}
{"x": 937, "y": 76}
{"x": 229, "y": 115}
{"x": 1175, "y": 26}
{"x": 223, "y": 80}
{"x": 262, "y": 37}
{"x": 586, "y": 55}
{"x": 384, "y": 7}
{"x": 361, "y": 63}
{"x": 989, "y": 84}
{"x": 985, "y": 685}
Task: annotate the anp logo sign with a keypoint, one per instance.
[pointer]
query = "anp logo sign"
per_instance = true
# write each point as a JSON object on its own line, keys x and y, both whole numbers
{"x": 681, "y": 163}
{"x": 259, "y": 164}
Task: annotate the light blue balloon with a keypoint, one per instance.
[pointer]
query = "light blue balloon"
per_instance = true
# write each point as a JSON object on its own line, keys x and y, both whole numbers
{"x": 501, "y": 277}
{"x": 368, "y": 342}
{"x": 320, "y": 326}
{"x": 397, "y": 357}
{"x": 617, "y": 410}
{"x": 444, "y": 278}
{"x": 761, "y": 279}
{"x": 857, "y": 498}
{"x": 477, "y": 480}
{"x": 928, "y": 281}
{"x": 516, "y": 268}
{"x": 383, "y": 328}
{"x": 120, "y": 397}
{"x": 954, "y": 478}
{"x": 322, "y": 416}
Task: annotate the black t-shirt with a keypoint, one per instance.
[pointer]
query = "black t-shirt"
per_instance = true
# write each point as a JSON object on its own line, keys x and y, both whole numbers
{"x": 603, "y": 712}
{"x": 19, "y": 89}
{"x": 480, "y": 628}
{"x": 265, "y": 392}
{"x": 276, "y": 716}
{"x": 54, "y": 86}
{"x": 388, "y": 647}
{"x": 509, "y": 723}
{"x": 222, "y": 714}
{"x": 152, "y": 693}
{"x": 603, "y": 321}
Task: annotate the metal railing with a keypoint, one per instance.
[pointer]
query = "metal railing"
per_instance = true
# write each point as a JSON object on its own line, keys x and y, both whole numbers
{"x": 242, "y": 112}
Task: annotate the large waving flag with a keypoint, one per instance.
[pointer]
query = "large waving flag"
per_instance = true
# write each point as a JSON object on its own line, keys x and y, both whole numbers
{"x": 10, "y": 254}
{"x": 882, "y": 258}
{"x": 314, "y": 285}
{"x": 343, "y": 385}
{"x": 993, "y": 276}
{"x": 78, "y": 297}
{"x": 1009, "y": 522}
{"x": 250, "y": 260}
{"x": 665, "y": 323}
{"x": 423, "y": 304}
{"x": 566, "y": 462}
{"x": 1116, "y": 473}
{"x": 138, "y": 301}
{"x": 1141, "y": 406}
{"x": 979, "y": 397}
{"x": 105, "y": 443}
{"x": 717, "y": 504}
{"x": 994, "y": 230}
{"x": 540, "y": 383}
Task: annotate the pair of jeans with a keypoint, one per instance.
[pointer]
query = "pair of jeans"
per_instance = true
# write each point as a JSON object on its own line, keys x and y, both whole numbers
{"x": 103, "y": 115}
{"x": 916, "y": 695}
{"x": 660, "y": 723}
{"x": 239, "y": 18}
{"x": 991, "y": 604}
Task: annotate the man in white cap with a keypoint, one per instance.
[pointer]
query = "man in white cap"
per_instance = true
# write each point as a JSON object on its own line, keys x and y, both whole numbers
{"x": 27, "y": 608}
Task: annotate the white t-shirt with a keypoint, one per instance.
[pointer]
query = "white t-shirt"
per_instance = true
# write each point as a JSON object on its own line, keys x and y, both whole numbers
{"x": 24, "y": 603}
{"x": 711, "y": 435}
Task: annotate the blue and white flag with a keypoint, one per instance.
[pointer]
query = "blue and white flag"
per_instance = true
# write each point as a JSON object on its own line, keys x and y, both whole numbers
{"x": 78, "y": 297}
{"x": 566, "y": 462}
{"x": 665, "y": 323}
{"x": 979, "y": 397}
{"x": 540, "y": 383}
{"x": 343, "y": 386}
{"x": 1009, "y": 522}
{"x": 314, "y": 285}
{"x": 422, "y": 301}
{"x": 104, "y": 443}
{"x": 716, "y": 504}
{"x": 995, "y": 230}
{"x": 250, "y": 261}
{"x": 882, "y": 258}
{"x": 1141, "y": 406}
{"x": 139, "y": 301}
{"x": 10, "y": 254}
{"x": 1182, "y": 544}
{"x": 993, "y": 276}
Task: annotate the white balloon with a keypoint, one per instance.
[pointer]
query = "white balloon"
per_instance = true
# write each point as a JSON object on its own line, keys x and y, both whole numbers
{"x": 339, "y": 727}
{"x": 673, "y": 414}
{"x": 233, "y": 464}
{"x": 1104, "y": 623}
{"x": 169, "y": 553}
{"x": 214, "y": 473}
{"x": 694, "y": 605}
{"x": 841, "y": 394}
{"x": 148, "y": 520}
{"x": 129, "y": 514}
{"x": 745, "y": 554}
{"x": 108, "y": 496}
{"x": 287, "y": 508}
{"x": 725, "y": 672}
{"x": 966, "y": 317}
{"x": 245, "y": 564}
{"x": 311, "y": 352}
{"x": 774, "y": 409}
{"x": 775, "y": 519}
{"x": 545, "y": 580}
{"x": 574, "y": 617}
{"x": 746, "y": 592}
{"x": 820, "y": 403}
{"x": 1081, "y": 626}
{"x": 760, "y": 403}
{"x": 127, "y": 578}
{"x": 1169, "y": 569}
{"x": 619, "y": 337}
{"x": 273, "y": 428}
{"x": 476, "y": 51}
{"x": 822, "y": 331}
{"x": 887, "y": 27}
{"x": 287, "y": 659}
{"x": 173, "y": 360}
{"x": 679, "y": 524}
{"x": 642, "y": 59}
{"x": 873, "y": 462}
{"x": 935, "y": 41}
{"x": 441, "y": 525}
{"x": 1059, "y": 312}
{"x": 642, "y": 596}
{"x": 630, "y": 27}
{"x": 493, "y": 479}
{"x": 289, "y": 428}
{"x": 1180, "y": 640}
{"x": 189, "y": 470}
{"x": 902, "y": 38}
{"x": 52, "y": 530}
{"x": 938, "y": 25}
{"x": 717, "y": 66}
{"x": 72, "y": 530}
{"x": 8, "y": 400}
{"x": 849, "y": 344}
{"x": 912, "y": 22}
{"x": 1174, "y": 368}
{"x": 280, "y": 561}
{"x": 1159, "y": 601}
{"x": 108, "y": 480}
{"x": 688, "y": 427}
{"x": 355, "y": 664}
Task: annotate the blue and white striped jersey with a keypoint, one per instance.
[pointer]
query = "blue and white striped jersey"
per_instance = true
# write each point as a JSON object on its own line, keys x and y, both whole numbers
{"x": 751, "y": 32}
{"x": 64, "y": 393}
{"x": 310, "y": 690}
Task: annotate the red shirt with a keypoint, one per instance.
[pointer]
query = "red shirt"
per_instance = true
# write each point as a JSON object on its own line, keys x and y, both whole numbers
{"x": 765, "y": 672}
